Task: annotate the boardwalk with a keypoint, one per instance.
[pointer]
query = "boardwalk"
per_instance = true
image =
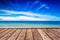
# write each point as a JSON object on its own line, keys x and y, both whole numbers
{"x": 29, "y": 34}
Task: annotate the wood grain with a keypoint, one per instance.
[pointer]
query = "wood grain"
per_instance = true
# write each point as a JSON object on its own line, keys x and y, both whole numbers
{"x": 29, "y": 34}
{"x": 22, "y": 35}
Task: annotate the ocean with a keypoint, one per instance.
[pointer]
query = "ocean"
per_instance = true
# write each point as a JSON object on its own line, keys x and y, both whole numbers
{"x": 29, "y": 24}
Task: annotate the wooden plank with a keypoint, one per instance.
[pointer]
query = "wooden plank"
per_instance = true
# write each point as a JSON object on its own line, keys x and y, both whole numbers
{"x": 36, "y": 35}
{"x": 2, "y": 34}
{"x": 52, "y": 36}
{"x": 44, "y": 35}
{"x": 58, "y": 30}
{"x": 5, "y": 37}
{"x": 55, "y": 32}
{"x": 2, "y": 30}
{"x": 22, "y": 35}
{"x": 15, "y": 35}
{"x": 29, "y": 35}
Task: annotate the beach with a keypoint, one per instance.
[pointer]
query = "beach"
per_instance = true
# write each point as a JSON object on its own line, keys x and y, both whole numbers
{"x": 29, "y": 34}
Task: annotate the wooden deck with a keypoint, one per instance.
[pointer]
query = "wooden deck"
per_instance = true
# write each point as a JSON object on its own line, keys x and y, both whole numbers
{"x": 29, "y": 34}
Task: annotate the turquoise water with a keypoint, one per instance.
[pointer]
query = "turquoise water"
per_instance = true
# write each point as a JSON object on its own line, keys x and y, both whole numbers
{"x": 30, "y": 24}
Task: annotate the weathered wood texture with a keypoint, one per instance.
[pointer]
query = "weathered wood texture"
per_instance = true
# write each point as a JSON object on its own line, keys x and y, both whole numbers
{"x": 29, "y": 34}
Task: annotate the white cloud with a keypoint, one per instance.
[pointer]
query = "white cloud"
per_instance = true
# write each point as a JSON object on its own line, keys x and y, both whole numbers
{"x": 24, "y": 13}
{"x": 43, "y": 5}
{"x": 22, "y": 18}
{"x": 7, "y": 18}
{"x": 29, "y": 16}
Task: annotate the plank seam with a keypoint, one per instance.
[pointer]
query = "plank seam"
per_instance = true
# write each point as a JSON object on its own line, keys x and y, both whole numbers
{"x": 18, "y": 34}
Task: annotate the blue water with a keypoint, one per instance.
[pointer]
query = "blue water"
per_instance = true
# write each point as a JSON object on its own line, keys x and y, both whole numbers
{"x": 29, "y": 24}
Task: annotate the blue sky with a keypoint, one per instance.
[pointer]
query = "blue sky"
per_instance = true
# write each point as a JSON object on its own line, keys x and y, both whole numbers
{"x": 29, "y": 10}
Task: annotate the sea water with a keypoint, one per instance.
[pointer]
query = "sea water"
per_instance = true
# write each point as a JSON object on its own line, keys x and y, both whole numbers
{"x": 29, "y": 24}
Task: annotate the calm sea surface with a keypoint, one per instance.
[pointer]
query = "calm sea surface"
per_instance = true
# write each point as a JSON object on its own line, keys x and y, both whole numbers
{"x": 29, "y": 24}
